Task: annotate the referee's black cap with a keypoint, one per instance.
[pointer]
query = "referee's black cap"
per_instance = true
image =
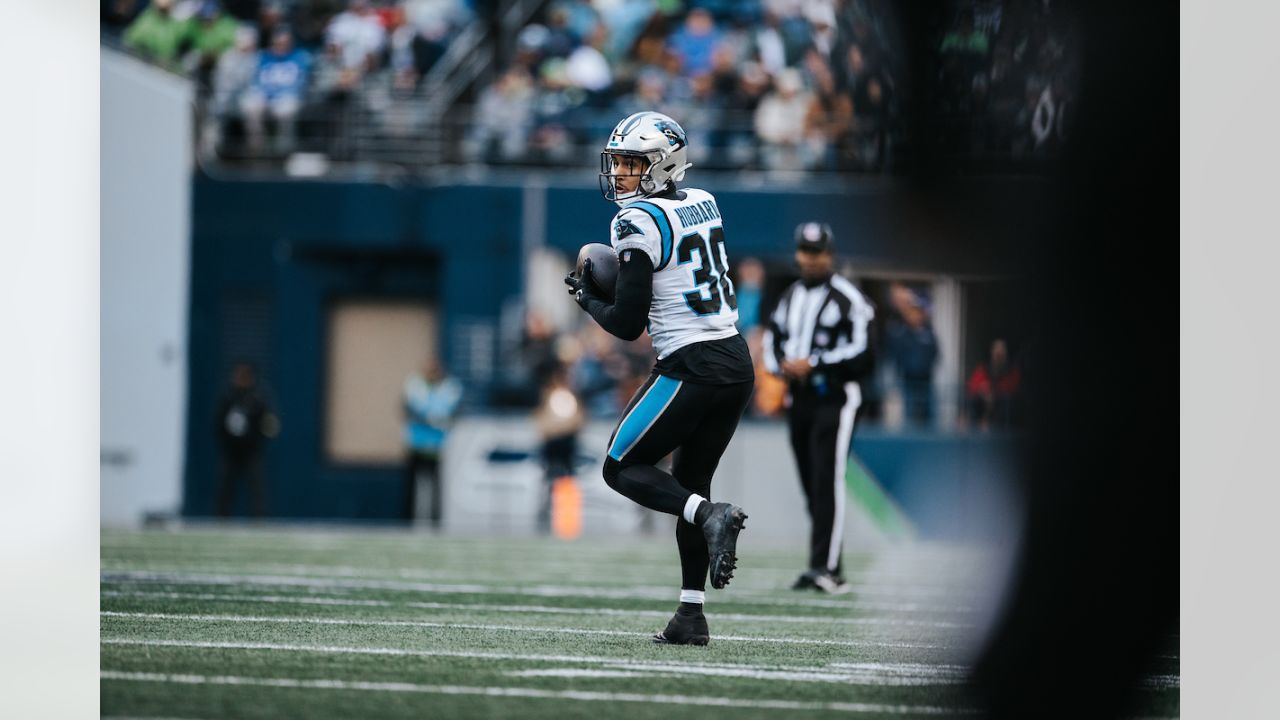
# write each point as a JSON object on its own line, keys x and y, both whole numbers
{"x": 814, "y": 237}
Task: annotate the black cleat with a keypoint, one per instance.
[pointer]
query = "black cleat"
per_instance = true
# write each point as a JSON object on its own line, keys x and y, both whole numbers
{"x": 721, "y": 530}
{"x": 687, "y": 627}
{"x": 805, "y": 581}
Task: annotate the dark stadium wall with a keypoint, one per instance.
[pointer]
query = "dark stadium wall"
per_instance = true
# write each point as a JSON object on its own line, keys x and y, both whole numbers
{"x": 270, "y": 257}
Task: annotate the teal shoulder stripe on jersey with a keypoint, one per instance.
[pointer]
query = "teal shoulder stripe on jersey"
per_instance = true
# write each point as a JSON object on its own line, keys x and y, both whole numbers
{"x": 643, "y": 415}
{"x": 664, "y": 227}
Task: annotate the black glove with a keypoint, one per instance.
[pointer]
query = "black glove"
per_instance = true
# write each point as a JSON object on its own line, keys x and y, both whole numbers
{"x": 580, "y": 286}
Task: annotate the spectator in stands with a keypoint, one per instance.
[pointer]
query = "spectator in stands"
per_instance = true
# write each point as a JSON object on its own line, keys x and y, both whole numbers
{"x": 427, "y": 14}
{"x": 822, "y": 23}
{"x": 914, "y": 350}
{"x": 853, "y": 68}
{"x": 503, "y": 117}
{"x": 587, "y": 67}
{"x": 779, "y": 122}
{"x": 560, "y": 38}
{"x": 555, "y": 112}
{"x": 232, "y": 76}
{"x": 829, "y": 119}
{"x": 701, "y": 113}
{"x": 695, "y": 42}
{"x": 625, "y": 20}
{"x": 271, "y": 17}
{"x": 211, "y": 33}
{"x": 650, "y": 93}
{"x": 992, "y": 389}
{"x": 740, "y": 110}
{"x": 580, "y": 17}
{"x": 412, "y": 50}
{"x": 775, "y": 45}
{"x": 278, "y": 89}
{"x": 358, "y": 34}
{"x": 530, "y": 48}
{"x": 431, "y": 400}
{"x": 157, "y": 34}
{"x": 868, "y": 145}
{"x": 245, "y": 422}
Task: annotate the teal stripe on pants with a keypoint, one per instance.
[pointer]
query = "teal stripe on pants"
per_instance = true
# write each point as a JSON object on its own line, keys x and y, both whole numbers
{"x": 643, "y": 415}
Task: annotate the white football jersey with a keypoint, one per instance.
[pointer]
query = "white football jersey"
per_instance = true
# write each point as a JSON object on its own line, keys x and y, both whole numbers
{"x": 693, "y": 297}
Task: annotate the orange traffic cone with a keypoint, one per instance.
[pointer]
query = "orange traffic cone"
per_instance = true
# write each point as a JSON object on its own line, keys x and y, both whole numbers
{"x": 566, "y": 508}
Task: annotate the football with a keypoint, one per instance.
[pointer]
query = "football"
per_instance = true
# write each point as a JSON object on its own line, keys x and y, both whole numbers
{"x": 604, "y": 267}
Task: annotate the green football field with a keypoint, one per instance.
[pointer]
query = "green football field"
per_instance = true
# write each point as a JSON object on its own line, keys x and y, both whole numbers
{"x": 273, "y": 622}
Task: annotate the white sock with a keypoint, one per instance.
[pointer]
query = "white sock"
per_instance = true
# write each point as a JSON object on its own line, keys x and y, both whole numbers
{"x": 691, "y": 507}
{"x": 693, "y": 596}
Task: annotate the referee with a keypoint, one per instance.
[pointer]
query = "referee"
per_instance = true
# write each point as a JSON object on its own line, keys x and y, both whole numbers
{"x": 817, "y": 338}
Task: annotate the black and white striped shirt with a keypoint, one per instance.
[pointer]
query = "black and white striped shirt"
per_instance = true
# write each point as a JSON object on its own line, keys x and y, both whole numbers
{"x": 828, "y": 325}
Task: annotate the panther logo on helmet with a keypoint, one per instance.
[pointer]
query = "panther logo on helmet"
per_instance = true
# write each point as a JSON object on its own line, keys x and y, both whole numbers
{"x": 675, "y": 135}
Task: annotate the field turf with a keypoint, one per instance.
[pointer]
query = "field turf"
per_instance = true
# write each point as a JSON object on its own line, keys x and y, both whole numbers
{"x": 275, "y": 622}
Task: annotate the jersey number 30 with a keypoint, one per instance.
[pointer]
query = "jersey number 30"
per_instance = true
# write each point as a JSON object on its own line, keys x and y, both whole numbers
{"x": 710, "y": 273}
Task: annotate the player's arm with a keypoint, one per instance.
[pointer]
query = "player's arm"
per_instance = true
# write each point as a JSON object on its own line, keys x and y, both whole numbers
{"x": 627, "y": 316}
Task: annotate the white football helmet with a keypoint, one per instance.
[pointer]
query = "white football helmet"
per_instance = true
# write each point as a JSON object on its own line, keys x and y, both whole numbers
{"x": 656, "y": 138}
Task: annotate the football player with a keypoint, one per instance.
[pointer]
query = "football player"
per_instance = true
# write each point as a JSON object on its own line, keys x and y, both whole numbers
{"x": 673, "y": 280}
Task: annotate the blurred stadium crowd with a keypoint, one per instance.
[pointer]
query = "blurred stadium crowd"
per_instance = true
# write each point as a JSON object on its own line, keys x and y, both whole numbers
{"x": 803, "y": 85}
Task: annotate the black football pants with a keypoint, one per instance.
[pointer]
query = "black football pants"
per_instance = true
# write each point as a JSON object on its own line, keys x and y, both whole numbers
{"x": 821, "y": 430}
{"x": 694, "y": 421}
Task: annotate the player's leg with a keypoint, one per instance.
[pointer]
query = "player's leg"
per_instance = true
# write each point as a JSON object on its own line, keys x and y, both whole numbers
{"x": 800, "y": 419}
{"x": 831, "y": 450}
{"x": 662, "y": 414}
{"x": 695, "y": 464}
{"x": 822, "y": 460}
{"x": 799, "y": 425}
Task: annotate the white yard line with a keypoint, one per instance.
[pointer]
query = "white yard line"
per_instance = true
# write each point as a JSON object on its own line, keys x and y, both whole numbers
{"x": 518, "y": 692}
{"x": 878, "y": 674}
{"x": 531, "y": 609}
{"x": 796, "y": 675}
{"x": 631, "y": 593}
{"x": 861, "y": 585}
{"x": 489, "y": 627}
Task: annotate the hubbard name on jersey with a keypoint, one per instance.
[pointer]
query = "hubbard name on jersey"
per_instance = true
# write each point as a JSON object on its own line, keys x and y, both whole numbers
{"x": 682, "y": 233}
